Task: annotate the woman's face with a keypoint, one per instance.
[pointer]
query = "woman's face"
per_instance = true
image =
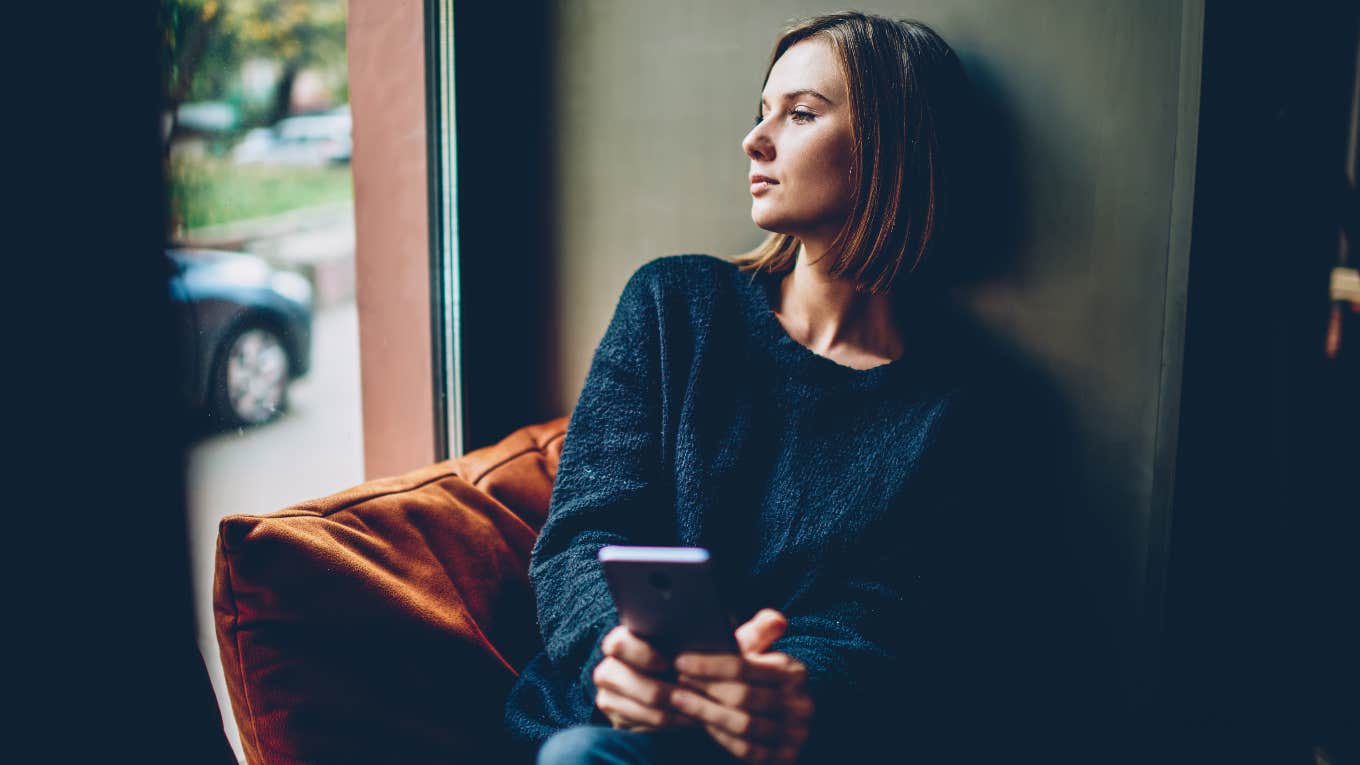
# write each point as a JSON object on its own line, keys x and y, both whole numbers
{"x": 803, "y": 145}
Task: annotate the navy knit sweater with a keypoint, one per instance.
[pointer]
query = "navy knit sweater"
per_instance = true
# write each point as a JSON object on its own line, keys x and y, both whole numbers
{"x": 702, "y": 422}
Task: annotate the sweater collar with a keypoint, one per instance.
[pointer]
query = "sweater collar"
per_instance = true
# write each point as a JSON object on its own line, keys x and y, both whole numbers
{"x": 802, "y": 364}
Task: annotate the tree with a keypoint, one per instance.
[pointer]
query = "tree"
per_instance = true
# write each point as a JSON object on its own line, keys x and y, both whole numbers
{"x": 206, "y": 41}
{"x": 296, "y": 33}
{"x": 189, "y": 28}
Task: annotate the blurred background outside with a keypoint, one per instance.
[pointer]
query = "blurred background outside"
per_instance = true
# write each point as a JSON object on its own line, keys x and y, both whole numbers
{"x": 260, "y": 258}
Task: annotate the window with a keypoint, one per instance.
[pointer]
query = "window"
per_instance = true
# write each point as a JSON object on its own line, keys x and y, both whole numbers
{"x": 261, "y": 264}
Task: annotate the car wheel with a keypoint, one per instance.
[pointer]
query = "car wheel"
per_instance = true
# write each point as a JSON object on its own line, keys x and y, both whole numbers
{"x": 250, "y": 384}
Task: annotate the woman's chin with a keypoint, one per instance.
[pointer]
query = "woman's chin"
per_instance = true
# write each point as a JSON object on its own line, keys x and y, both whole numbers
{"x": 772, "y": 223}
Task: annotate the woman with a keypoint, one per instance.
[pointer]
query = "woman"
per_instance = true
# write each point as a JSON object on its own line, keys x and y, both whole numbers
{"x": 786, "y": 411}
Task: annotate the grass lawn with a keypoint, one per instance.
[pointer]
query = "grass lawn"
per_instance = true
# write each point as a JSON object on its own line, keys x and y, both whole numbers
{"x": 205, "y": 191}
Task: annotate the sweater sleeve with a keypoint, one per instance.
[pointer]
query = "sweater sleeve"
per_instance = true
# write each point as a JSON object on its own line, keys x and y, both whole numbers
{"x": 849, "y": 632}
{"x": 606, "y": 491}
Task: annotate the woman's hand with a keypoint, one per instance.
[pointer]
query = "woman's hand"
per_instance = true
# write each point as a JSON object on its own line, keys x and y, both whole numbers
{"x": 627, "y": 689}
{"x": 755, "y": 705}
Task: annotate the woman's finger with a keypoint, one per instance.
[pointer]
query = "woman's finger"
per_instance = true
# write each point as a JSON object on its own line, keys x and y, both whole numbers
{"x": 761, "y": 630}
{"x": 786, "y": 755}
{"x": 795, "y": 670}
{"x": 624, "y": 712}
{"x": 743, "y": 749}
{"x": 737, "y": 722}
{"x": 760, "y": 699}
{"x": 790, "y": 707}
{"x": 620, "y": 678}
{"x": 623, "y": 645}
{"x": 798, "y": 707}
{"x": 730, "y": 666}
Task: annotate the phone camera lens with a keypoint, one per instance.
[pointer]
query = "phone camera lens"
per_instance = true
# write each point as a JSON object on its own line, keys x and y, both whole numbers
{"x": 660, "y": 581}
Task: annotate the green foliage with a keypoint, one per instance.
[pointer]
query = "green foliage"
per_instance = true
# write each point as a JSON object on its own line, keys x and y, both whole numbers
{"x": 205, "y": 42}
{"x": 188, "y": 28}
{"x": 207, "y": 190}
{"x": 299, "y": 32}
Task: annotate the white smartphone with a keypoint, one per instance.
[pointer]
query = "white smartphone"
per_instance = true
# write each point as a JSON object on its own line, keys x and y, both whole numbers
{"x": 668, "y": 597}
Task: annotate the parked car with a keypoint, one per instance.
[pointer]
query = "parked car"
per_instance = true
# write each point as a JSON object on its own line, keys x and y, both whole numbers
{"x": 244, "y": 330}
{"x": 307, "y": 139}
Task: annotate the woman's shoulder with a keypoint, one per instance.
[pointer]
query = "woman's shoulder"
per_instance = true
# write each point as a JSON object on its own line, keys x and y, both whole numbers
{"x": 683, "y": 270}
{"x": 675, "y": 280}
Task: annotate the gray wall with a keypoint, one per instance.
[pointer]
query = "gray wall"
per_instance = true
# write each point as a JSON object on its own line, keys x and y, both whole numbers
{"x": 1100, "y": 101}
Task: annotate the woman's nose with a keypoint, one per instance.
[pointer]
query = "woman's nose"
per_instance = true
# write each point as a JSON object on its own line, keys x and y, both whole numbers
{"x": 757, "y": 145}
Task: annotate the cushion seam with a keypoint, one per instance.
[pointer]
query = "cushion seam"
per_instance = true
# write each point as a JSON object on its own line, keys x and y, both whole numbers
{"x": 422, "y": 484}
{"x": 540, "y": 448}
{"x": 241, "y": 659}
{"x": 451, "y": 472}
{"x": 359, "y": 501}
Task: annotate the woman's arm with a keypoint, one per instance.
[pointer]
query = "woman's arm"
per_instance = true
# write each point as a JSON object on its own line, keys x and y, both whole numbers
{"x": 851, "y": 635}
{"x": 609, "y": 488}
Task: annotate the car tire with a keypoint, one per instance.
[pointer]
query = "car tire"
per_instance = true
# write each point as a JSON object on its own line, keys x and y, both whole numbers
{"x": 250, "y": 379}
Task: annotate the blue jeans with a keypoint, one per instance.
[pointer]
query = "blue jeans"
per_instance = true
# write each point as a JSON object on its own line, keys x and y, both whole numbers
{"x": 598, "y": 745}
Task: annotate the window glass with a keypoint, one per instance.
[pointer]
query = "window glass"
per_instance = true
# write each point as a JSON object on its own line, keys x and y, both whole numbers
{"x": 260, "y": 263}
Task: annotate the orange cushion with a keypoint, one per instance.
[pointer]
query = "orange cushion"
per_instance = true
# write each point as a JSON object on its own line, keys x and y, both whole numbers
{"x": 386, "y": 623}
{"x": 519, "y": 470}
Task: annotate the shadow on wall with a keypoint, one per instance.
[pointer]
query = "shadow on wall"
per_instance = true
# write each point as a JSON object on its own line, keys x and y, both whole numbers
{"x": 1027, "y": 611}
{"x": 1042, "y": 554}
{"x": 988, "y": 247}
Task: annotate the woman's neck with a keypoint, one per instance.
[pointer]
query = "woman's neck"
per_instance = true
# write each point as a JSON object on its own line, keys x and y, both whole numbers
{"x": 833, "y": 319}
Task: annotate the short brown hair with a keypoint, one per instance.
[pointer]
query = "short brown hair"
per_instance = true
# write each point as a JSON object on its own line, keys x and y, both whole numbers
{"x": 907, "y": 92}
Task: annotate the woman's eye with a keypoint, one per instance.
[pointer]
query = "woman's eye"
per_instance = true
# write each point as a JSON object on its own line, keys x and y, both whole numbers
{"x": 798, "y": 116}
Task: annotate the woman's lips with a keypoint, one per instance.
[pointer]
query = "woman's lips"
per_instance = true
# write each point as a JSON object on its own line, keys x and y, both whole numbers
{"x": 760, "y": 184}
